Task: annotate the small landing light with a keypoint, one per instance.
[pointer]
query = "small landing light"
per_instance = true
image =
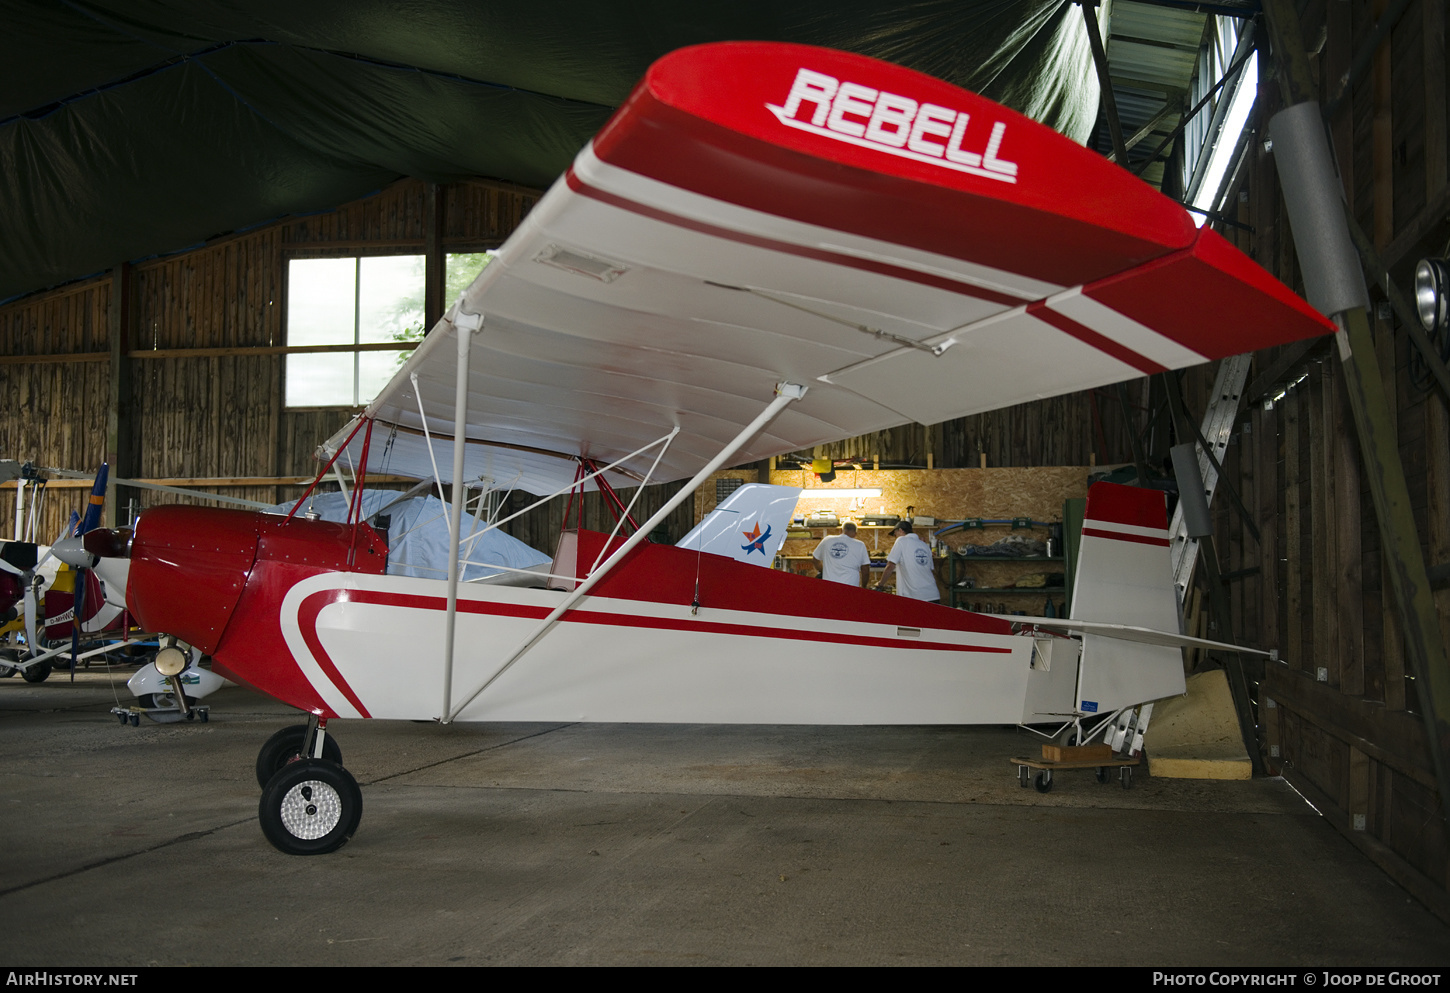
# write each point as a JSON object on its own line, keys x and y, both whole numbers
{"x": 1432, "y": 293}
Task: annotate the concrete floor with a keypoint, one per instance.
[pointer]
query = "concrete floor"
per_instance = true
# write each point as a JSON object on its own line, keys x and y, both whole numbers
{"x": 642, "y": 844}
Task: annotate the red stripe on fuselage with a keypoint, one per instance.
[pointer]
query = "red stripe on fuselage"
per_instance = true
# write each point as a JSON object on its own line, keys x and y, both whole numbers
{"x": 307, "y": 622}
{"x": 307, "y": 618}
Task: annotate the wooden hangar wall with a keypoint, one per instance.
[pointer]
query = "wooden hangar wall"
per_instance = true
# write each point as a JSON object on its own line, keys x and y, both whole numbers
{"x": 1339, "y": 718}
{"x": 181, "y": 383}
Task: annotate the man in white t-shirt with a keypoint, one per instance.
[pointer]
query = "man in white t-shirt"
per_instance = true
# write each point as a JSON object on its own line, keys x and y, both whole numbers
{"x": 841, "y": 558}
{"x": 911, "y": 561}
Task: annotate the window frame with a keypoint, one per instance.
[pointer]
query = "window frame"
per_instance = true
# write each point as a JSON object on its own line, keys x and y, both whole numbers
{"x": 354, "y": 251}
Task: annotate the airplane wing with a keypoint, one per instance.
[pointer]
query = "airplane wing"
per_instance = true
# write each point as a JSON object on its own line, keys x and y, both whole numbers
{"x": 759, "y": 212}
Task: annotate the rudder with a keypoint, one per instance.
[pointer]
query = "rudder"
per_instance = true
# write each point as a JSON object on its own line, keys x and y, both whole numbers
{"x": 1124, "y": 576}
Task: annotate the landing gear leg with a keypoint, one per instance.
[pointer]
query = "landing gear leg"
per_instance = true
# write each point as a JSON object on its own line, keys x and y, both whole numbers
{"x": 291, "y": 743}
{"x": 315, "y": 744}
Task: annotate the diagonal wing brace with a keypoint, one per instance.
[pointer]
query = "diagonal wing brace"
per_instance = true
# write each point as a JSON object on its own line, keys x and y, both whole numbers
{"x": 785, "y": 393}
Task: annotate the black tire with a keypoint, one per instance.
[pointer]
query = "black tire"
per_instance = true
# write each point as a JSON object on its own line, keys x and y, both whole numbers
{"x": 1102, "y": 774}
{"x": 37, "y": 673}
{"x": 285, "y": 747}
{"x": 310, "y": 807}
{"x": 1043, "y": 784}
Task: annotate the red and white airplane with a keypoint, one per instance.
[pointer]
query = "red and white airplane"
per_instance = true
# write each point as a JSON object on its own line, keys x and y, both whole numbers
{"x": 768, "y": 247}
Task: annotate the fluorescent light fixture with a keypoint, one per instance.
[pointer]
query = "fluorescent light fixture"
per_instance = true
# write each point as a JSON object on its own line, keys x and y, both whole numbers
{"x": 1221, "y": 158}
{"x": 814, "y": 492}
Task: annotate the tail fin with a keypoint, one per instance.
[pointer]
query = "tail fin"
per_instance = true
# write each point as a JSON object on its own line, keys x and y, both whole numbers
{"x": 95, "y": 502}
{"x": 1124, "y": 576}
{"x": 749, "y": 525}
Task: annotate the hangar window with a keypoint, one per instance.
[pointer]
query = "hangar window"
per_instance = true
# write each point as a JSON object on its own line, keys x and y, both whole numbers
{"x": 342, "y": 305}
{"x": 357, "y": 311}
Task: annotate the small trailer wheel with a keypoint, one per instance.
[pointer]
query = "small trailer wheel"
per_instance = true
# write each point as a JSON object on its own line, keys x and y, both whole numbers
{"x": 1044, "y": 782}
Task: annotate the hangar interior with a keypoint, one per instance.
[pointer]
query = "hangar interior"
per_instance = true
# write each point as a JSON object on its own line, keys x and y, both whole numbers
{"x": 166, "y": 168}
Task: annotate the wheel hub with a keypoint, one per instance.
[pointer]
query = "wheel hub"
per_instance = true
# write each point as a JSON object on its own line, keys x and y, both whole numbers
{"x": 311, "y": 809}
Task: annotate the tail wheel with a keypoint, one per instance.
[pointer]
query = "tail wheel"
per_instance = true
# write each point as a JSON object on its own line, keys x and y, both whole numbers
{"x": 310, "y": 807}
{"x": 161, "y": 707}
{"x": 285, "y": 747}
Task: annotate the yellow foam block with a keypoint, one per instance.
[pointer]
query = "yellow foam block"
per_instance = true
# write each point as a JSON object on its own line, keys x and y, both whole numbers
{"x": 1196, "y": 736}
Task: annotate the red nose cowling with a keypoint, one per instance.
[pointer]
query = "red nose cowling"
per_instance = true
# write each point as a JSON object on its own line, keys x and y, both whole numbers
{"x": 189, "y": 566}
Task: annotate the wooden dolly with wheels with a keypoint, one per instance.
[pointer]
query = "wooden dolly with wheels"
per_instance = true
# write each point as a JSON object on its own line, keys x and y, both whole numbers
{"x": 1055, "y": 757}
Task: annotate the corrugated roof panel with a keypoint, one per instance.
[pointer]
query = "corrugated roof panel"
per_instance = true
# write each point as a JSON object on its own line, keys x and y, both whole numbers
{"x": 1170, "y": 67}
{"x": 1169, "y": 25}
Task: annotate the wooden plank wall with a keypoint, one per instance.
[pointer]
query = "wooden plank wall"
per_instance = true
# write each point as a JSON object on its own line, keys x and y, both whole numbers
{"x": 209, "y": 415}
{"x": 55, "y": 412}
{"x": 1337, "y": 717}
{"x": 1087, "y": 428}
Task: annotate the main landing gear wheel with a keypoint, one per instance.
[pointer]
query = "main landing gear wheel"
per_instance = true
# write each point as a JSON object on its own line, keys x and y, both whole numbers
{"x": 37, "y": 673}
{"x": 1043, "y": 782}
{"x": 310, "y": 807}
{"x": 8, "y": 659}
{"x": 286, "y": 746}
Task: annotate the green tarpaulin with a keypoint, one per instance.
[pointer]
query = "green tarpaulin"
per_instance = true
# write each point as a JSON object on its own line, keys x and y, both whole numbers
{"x": 132, "y": 128}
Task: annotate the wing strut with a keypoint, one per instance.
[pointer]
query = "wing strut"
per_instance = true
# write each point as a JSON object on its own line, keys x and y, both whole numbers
{"x": 784, "y": 394}
{"x": 465, "y": 326}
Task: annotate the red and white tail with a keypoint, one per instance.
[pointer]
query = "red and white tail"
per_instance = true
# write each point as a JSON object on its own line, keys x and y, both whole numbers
{"x": 1124, "y": 577}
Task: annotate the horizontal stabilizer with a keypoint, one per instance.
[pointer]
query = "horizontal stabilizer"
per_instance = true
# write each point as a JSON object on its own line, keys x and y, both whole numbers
{"x": 1129, "y": 632}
